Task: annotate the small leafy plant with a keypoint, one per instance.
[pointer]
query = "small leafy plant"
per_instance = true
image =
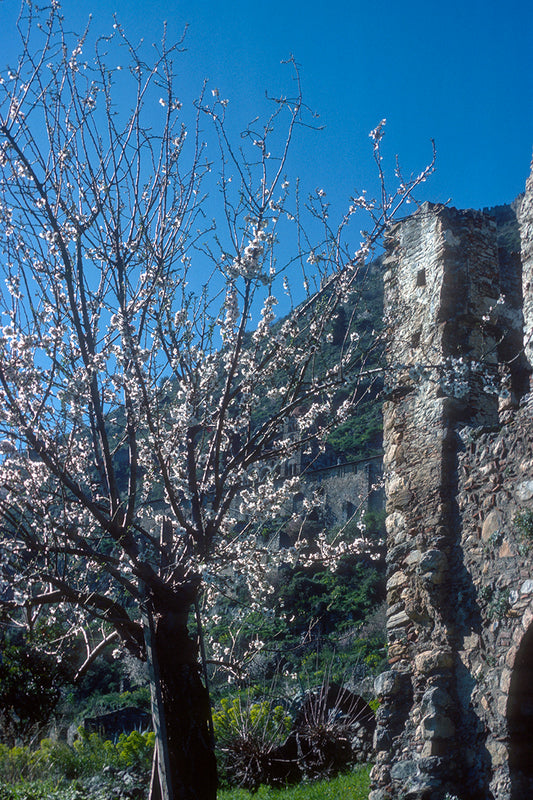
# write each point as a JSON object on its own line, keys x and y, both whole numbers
{"x": 500, "y": 604}
{"x": 246, "y": 734}
{"x": 523, "y": 523}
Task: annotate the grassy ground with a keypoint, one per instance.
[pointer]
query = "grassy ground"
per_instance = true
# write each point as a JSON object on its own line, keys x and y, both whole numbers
{"x": 353, "y": 786}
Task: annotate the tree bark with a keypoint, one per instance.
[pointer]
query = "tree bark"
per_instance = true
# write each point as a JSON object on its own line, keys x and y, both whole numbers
{"x": 190, "y": 758}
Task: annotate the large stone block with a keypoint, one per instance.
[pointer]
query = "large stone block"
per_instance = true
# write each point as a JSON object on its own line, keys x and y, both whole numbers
{"x": 433, "y": 661}
{"x": 491, "y": 525}
{"x": 433, "y": 566}
{"x": 524, "y": 491}
{"x": 437, "y": 726}
{"x": 435, "y": 701}
{"x": 390, "y": 683}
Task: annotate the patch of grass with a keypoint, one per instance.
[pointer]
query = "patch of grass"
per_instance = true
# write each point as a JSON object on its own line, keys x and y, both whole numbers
{"x": 120, "y": 786}
{"x": 41, "y": 790}
{"x": 352, "y": 786}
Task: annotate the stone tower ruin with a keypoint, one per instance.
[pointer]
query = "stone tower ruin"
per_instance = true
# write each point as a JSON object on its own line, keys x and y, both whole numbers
{"x": 456, "y": 713}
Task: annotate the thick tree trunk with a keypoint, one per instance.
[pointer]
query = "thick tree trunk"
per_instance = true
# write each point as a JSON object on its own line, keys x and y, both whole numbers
{"x": 189, "y": 757}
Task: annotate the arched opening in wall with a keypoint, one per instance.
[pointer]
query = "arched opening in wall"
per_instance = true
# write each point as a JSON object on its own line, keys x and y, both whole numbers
{"x": 520, "y": 720}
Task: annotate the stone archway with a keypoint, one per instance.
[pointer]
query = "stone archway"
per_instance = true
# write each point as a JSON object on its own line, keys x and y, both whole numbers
{"x": 520, "y": 720}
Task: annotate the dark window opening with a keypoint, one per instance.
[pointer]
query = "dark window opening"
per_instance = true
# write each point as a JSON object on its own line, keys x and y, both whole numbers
{"x": 421, "y": 277}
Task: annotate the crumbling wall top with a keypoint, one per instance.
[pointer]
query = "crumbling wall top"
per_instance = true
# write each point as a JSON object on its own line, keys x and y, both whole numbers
{"x": 525, "y": 217}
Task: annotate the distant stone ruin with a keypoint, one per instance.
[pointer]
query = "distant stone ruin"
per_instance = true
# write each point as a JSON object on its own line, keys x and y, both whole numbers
{"x": 456, "y": 713}
{"x": 123, "y": 720}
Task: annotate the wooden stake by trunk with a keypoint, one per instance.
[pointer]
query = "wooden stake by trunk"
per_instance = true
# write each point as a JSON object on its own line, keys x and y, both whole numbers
{"x": 161, "y": 764}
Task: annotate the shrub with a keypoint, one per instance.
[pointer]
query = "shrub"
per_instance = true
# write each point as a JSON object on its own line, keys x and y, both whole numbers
{"x": 89, "y": 756}
{"x": 238, "y": 716}
{"x": 17, "y": 763}
{"x": 334, "y": 728}
{"x": 98, "y": 703}
{"x": 29, "y": 686}
{"x": 246, "y": 734}
{"x": 136, "y": 749}
{"x": 131, "y": 750}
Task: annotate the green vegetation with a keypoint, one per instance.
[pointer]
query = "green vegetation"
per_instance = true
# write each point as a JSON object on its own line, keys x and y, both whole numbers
{"x": 87, "y": 757}
{"x": 90, "y": 769}
{"x": 245, "y": 735}
{"x": 500, "y": 604}
{"x": 316, "y": 623}
{"x": 352, "y": 786}
{"x": 523, "y": 523}
{"x": 361, "y": 436}
{"x": 30, "y": 682}
{"x": 236, "y": 716}
{"x": 333, "y": 600}
{"x": 98, "y": 770}
{"x": 101, "y": 703}
{"x": 43, "y": 790}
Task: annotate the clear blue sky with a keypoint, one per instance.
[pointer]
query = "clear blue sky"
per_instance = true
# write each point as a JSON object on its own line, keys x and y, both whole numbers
{"x": 460, "y": 72}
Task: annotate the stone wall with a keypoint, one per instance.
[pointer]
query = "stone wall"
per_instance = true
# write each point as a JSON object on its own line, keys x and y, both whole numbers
{"x": 349, "y": 490}
{"x": 459, "y": 488}
{"x": 526, "y": 228}
{"x": 495, "y": 503}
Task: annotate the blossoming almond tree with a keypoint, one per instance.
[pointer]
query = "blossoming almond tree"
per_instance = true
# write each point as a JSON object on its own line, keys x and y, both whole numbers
{"x": 141, "y": 417}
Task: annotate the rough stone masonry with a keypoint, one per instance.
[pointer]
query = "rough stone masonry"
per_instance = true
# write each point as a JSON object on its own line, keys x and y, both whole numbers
{"x": 456, "y": 713}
